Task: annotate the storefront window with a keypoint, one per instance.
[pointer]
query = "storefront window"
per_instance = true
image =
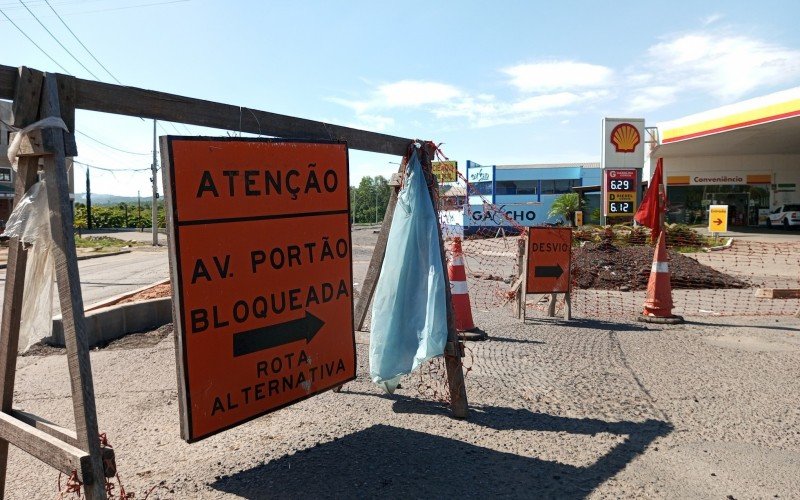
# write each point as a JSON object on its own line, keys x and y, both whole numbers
{"x": 516, "y": 187}
{"x": 559, "y": 186}
{"x": 483, "y": 188}
{"x": 747, "y": 203}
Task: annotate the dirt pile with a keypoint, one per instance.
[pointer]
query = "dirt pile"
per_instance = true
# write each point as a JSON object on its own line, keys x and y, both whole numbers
{"x": 608, "y": 267}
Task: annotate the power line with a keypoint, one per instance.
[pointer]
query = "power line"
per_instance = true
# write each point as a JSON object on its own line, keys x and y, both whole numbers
{"x": 58, "y": 41}
{"x": 126, "y": 7}
{"x": 110, "y": 146}
{"x": 112, "y": 170}
{"x": 80, "y": 42}
{"x": 36, "y": 44}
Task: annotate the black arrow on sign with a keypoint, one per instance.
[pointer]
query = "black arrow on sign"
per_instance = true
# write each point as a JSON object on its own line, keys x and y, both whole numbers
{"x": 718, "y": 222}
{"x": 271, "y": 336}
{"x": 548, "y": 271}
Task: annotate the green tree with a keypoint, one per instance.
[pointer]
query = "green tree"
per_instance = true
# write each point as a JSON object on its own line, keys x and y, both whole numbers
{"x": 369, "y": 200}
{"x": 565, "y": 206}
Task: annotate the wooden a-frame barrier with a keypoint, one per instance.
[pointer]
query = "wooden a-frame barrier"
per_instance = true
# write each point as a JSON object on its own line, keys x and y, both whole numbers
{"x": 37, "y": 95}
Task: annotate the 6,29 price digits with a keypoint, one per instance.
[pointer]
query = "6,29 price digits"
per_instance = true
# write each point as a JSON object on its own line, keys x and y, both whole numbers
{"x": 620, "y": 185}
{"x": 617, "y": 207}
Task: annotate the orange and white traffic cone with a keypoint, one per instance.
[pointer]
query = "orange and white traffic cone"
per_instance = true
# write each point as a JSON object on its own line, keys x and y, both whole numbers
{"x": 458, "y": 290}
{"x": 658, "y": 304}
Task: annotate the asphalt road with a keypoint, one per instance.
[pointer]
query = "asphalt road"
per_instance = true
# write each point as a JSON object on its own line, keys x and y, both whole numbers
{"x": 105, "y": 277}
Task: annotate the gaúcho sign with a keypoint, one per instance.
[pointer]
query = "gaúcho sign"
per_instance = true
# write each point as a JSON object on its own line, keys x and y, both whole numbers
{"x": 619, "y": 192}
{"x": 549, "y": 260}
{"x": 261, "y": 269}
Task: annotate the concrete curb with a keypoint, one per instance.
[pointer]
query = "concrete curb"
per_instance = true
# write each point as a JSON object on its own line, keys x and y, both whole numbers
{"x": 720, "y": 247}
{"x": 87, "y": 257}
{"x": 110, "y": 323}
{"x": 113, "y": 300}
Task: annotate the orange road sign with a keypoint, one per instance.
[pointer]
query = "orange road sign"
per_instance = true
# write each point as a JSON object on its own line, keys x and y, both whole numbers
{"x": 261, "y": 268}
{"x": 549, "y": 258}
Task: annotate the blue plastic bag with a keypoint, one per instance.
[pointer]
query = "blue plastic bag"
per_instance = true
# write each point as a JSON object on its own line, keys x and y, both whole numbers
{"x": 409, "y": 312}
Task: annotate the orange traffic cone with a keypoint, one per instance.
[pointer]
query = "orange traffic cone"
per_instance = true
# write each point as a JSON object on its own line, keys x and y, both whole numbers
{"x": 658, "y": 304}
{"x": 458, "y": 289}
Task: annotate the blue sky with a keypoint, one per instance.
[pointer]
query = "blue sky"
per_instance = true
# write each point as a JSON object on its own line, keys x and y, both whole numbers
{"x": 508, "y": 82}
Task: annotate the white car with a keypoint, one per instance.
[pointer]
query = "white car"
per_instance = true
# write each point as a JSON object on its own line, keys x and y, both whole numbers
{"x": 785, "y": 215}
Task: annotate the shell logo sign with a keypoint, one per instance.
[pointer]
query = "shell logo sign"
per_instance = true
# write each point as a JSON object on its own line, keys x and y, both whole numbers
{"x": 625, "y": 137}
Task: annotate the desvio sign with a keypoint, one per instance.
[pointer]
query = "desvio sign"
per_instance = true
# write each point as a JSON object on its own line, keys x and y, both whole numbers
{"x": 262, "y": 275}
{"x": 549, "y": 260}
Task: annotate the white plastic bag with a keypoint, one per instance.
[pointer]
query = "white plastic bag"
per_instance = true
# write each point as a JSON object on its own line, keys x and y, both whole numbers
{"x": 30, "y": 222}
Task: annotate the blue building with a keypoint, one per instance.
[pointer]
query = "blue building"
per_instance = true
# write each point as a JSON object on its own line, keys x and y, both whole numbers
{"x": 525, "y": 193}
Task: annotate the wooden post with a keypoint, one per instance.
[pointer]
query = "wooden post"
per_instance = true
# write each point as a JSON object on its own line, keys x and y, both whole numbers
{"x": 376, "y": 262}
{"x": 25, "y": 112}
{"x": 551, "y": 306}
{"x": 453, "y": 350}
{"x": 521, "y": 245}
{"x": 567, "y": 306}
{"x": 69, "y": 291}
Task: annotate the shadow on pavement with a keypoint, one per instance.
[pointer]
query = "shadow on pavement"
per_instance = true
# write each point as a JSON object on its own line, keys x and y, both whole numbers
{"x": 391, "y": 462}
{"x": 592, "y": 324}
{"x": 495, "y": 338}
{"x": 749, "y": 325}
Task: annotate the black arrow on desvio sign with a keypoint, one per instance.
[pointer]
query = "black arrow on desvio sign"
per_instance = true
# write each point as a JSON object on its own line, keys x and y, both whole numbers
{"x": 547, "y": 271}
{"x": 271, "y": 336}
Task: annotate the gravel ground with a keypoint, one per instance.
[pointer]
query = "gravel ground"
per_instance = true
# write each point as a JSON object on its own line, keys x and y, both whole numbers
{"x": 581, "y": 409}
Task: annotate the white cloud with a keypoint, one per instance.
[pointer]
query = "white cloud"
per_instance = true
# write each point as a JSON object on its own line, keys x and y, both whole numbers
{"x": 711, "y": 19}
{"x": 652, "y": 98}
{"x": 550, "y": 76}
{"x": 403, "y": 94}
{"x": 447, "y": 101}
{"x": 725, "y": 66}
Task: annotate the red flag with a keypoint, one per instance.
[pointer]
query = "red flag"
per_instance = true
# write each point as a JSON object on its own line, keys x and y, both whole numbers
{"x": 649, "y": 213}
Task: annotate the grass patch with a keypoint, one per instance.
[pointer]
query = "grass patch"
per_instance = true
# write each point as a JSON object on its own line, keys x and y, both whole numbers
{"x": 103, "y": 243}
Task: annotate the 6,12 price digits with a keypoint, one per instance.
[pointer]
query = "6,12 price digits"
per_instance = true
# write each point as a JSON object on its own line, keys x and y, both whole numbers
{"x": 616, "y": 207}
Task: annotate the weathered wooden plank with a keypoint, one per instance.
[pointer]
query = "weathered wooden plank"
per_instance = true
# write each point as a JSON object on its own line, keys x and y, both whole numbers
{"x": 68, "y": 436}
{"x": 778, "y": 293}
{"x": 50, "y": 450}
{"x": 25, "y": 111}
{"x": 69, "y": 292}
{"x": 66, "y": 103}
{"x": 455, "y": 372}
{"x": 8, "y": 81}
{"x": 26, "y": 94}
{"x": 131, "y": 101}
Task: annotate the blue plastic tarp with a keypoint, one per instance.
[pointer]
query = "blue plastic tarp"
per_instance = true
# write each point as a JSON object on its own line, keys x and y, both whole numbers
{"x": 409, "y": 312}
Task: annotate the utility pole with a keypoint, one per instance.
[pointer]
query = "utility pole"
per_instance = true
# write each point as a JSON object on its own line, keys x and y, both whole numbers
{"x": 376, "y": 200}
{"x": 155, "y": 190}
{"x": 88, "y": 201}
{"x": 139, "y": 214}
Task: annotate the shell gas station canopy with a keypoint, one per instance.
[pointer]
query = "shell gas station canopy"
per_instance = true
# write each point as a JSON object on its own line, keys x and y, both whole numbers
{"x": 763, "y": 125}
{"x": 745, "y": 155}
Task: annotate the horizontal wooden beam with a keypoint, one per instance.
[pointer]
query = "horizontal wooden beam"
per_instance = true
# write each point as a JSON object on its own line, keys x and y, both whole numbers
{"x": 50, "y": 450}
{"x": 131, "y": 101}
{"x": 68, "y": 436}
